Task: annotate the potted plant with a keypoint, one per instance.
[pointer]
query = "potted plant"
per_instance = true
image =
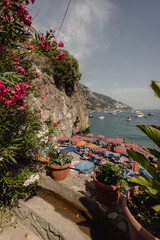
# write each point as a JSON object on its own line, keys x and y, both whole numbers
{"x": 59, "y": 164}
{"x": 142, "y": 204}
{"x": 108, "y": 181}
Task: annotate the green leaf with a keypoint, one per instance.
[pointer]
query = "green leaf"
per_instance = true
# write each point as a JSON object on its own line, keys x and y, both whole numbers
{"x": 144, "y": 162}
{"x": 154, "y": 152}
{"x": 156, "y": 88}
{"x": 156, "y": 208}
{"x": 152, "y": 185}
{"x": 13, "y": 159}
{"x": 153, "y": 132}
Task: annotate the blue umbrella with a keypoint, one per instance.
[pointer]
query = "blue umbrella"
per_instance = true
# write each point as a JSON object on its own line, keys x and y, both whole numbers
{"x": 84, "y": 166}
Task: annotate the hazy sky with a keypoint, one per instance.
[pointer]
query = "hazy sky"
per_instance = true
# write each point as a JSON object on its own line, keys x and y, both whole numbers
{"x": 117, "y": 44}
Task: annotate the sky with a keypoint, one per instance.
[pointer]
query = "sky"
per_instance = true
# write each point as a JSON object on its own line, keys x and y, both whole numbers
{"x": 116, "y": 42}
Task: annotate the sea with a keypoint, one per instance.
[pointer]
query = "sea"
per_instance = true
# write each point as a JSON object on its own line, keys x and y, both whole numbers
{"x": 115, "y": 125}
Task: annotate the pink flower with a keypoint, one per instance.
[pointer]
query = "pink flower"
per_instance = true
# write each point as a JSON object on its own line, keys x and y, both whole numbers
{"x": 21, "y": 108}
{"x": 27, "y": 2}
{"x": 41, "y": 44}
{"x": 43, "y": 97}
{"x": 55, "y": 124}
{"x": 61, "y": 44}
{"x": 50, "y": 30}
{"x": 15, "y": 63}
{"x": 9, "y": 17}
{"x": 30, "y": 46}
{"x": 7, "y": 3}
{"x": 33, "y": 1}
{"x": 18, "y": 59}
{"x": 42, "y": 37}
{"x": 39, "y": 111}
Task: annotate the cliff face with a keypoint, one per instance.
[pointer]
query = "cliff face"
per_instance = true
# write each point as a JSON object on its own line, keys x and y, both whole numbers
{"x": 95, "y": 101}
{"x": 69, "y": 111}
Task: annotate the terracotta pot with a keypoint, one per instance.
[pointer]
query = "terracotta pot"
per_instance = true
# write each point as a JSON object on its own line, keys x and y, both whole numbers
{"x": 137, "y": 232}
{"x": 59, "y": 173}
{"x": 106, "y": 194}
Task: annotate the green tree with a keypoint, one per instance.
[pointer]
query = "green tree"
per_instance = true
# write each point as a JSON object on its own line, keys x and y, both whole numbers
{"x": 66, "y": 73}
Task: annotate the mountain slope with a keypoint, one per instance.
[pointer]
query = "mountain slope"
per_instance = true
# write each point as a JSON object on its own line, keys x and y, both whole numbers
{"x": 96, "y": 101}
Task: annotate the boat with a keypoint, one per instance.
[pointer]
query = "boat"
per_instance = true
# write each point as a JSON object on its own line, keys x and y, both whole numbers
{"x": 139, "y": 114}
{"x": 90, "y": 116}
{"x": 150, "y": 114}
{"x": 113, "y": 112}
{"x": 128, "y": 119}
{"x": 101, "y": 117}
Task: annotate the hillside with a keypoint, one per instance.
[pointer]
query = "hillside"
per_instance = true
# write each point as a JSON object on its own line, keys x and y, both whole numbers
{"x": 96, "y": 101}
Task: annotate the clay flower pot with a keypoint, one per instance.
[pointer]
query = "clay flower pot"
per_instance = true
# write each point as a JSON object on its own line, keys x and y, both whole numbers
{"x": 106, "y": 194}
{"x": 137, "y": 232}
{"x": 59, "y": 173}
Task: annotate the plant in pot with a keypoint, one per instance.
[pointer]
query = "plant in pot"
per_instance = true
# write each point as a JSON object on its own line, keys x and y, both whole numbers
{"x": 142, "y": 203}
{"x": 59, "y": 164}
{"x": 108, "y": 181}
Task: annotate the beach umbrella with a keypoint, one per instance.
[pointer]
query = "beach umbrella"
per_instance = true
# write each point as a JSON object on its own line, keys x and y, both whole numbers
{"x": 100, "y": 150}
{"x": 109, "y": 140}
{"x": 81, "y": 143}
{"x": 89, "y": 135}
{"x": 84, "y": 166}
{"x": 91, "y": 146}
{"x": 75, "y": 131}
{"x": 74, "y": 140}
{"x": 88, "y": 139}
{"x": 100, "y": 136}
{"x": 143, "y": 151}
{"x": 132, "y": 145}
{"x": 120, "y": 149}
{"x": 135, "y": 165}
{"x": 76, "y": 136}
{"x": 114, "y": 140}
{"x": 64, "y": 139}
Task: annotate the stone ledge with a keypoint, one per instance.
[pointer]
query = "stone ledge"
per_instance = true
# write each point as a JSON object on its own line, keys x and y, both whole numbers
{"x": 79, "y": 190}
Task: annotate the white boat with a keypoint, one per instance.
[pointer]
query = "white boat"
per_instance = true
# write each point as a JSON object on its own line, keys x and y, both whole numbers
{"x": 128, "y": 119}
{"x": 139, "y": 114}
{"x": 101, "y": 117}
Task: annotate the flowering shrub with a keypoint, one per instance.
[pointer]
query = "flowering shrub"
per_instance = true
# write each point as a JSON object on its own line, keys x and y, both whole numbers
{"x": 19, "y": 124}
{"x": 49, "y": 46}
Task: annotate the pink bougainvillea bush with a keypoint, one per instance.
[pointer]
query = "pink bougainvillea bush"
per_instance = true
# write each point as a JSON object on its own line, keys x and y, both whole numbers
{"x": 20, "y": 126}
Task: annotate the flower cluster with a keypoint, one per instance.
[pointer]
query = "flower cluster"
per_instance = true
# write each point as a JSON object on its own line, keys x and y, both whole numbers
{"x": 33, "y": 178}
{"x": 61, "y": 56}
{"x": 22, "y": 12}
{"x": 48, "y": 43}
{"x": 15, "y": 96}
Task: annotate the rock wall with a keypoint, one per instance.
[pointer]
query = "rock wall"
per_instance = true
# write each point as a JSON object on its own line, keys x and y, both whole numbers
{"x": 68, "y": 111}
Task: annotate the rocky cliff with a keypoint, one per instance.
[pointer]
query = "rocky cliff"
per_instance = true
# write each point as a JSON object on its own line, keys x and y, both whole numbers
{"x": 95, "y": 101}
{"x": 68, "y": 111}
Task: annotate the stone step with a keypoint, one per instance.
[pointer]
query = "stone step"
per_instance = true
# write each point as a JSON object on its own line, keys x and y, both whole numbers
{"x": 43, "y": 219}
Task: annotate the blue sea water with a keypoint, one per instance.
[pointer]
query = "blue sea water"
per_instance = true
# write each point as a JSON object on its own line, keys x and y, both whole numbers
{"x": 115, "y": 126}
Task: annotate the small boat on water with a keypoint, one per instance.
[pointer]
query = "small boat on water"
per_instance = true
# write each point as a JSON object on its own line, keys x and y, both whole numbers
{"x": 139, "y": 114}
{"x": 150, "y": 114}
{"x": 128, "y": 119}
{"x": 90, "y": 116}
{"x": 101, "y": 117}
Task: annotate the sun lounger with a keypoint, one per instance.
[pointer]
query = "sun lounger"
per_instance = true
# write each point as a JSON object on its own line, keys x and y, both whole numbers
{"x": 146, "y": 174}
{"x": 97, "y": 161}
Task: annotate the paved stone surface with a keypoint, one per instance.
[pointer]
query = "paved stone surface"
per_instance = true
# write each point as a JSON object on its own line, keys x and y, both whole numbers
{"x": 19, "y": 233}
